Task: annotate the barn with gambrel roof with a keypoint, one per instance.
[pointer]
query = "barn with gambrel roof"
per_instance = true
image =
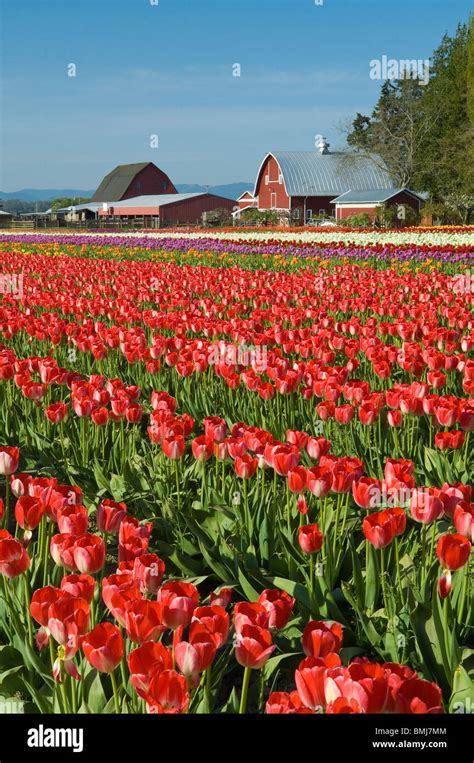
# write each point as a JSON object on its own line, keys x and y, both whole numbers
{"x": 130, "y": 180}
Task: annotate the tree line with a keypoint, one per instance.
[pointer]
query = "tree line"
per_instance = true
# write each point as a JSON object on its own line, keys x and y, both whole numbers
{"x": 423, "y": 129}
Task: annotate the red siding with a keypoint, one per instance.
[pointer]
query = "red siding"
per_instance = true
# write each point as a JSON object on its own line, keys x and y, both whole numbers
{"x": 400, "y": 198}
{"x": 190, "y": 211}
{"x": 149, "y": 181}
{"x": 281, "y": 199}
{"x": 187, "y": 211}
{"x": 314, "y": 203}
{"x": 347, "y": 211}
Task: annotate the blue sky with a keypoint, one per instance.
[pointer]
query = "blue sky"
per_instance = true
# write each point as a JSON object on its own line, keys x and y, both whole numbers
{"x": 167, "y": 70}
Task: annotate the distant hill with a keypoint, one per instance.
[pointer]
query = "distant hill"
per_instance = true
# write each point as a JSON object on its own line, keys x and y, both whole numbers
{"x": 230, "y": 191}
{"x": 44, "y": 194}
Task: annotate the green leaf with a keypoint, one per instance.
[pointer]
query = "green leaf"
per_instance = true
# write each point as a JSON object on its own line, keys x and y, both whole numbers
{"x": 298, "y": 591}
{"x": 117, "y": 487}
{"x": 250, "y": 592}
{"x": 274, "y": 662}
{"x": 94, "y": 694}
{"x": 372, "y": 579}
{"x": 100, "y": 478}
{"x": 462, "y": 698}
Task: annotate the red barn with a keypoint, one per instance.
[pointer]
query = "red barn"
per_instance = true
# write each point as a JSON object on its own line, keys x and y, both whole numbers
{"x": 358, "y": 202}
{"x": 304, "y": 183}
{"x": 168, "y": 209}
{"x": 129, "y": 180}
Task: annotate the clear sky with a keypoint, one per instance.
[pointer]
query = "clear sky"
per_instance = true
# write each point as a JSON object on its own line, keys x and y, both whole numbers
{"x": 166, "y": 69}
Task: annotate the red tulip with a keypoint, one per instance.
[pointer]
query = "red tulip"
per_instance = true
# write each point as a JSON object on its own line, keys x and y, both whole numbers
{"x": 279, "y": 606}
{"x": 100, "y": 416}
{"x": 134, "y": 413}
{"x": 464, "y": 519}
{"x": 148, "y": 572}
{"x": 284, "y": 458}
{"x": 103, "y": 647}
{"x": 394, "y": 418}
{"x": 378, "y": 529}
{"x": 56, "y": 412}
{"x": 14, "y": 559}
{"x": 89, "y": 553}
{"x": 215, "y": 428}
{"x": 178, "y": 601}
{"x": 297, "y": 479}
{"x": 146, "y": 660}
{"x": 133, "y": 538}
{"x": 344, "y": 414}
{"x": 110, "y": 515}
{"x": 9, "y": 460}
{"x": 81, "y": 585}
{"x": 167, "y": 693}
{"x": 68, "y": 622}
{"x": 253, "y": 647}
{"x": 72, "y": 519}
{"x": 215, "y": 619}
{"x": 118, "y": 591}
{"x": 419, "y": 696}
{"x": 453, "y": 551}
{"x": 143, "y": 620}
{"x": 298, "y": 439}
{"x": 28, "y": 512}
{"x": 448, "y": 440}
{"x": 317, "y": 447}
{"x": 282, "y": 703}
{"x": 444, "y": 584}
{"x": 193, "y": 657}
{"x": 310, "y": 539}
{"x": 309, "y": 679}
{"x": 245, "y": 466}
{"x": 41, "y": 600}
{"x": 366, "y": 492}
{"x": 203, "y": 448}
{"x": 319, "y": 480}
{"x": 320, "y": 638}
{"x": 426, "y": 506}
{"x": 174, "y": 447}
{"x": 250, "y": 613}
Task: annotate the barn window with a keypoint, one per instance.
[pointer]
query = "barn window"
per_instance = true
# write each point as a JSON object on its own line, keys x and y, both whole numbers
{"x": 280, "y": 178}
{"x": 322, "y": 211}
{"x": 267, "y": 178}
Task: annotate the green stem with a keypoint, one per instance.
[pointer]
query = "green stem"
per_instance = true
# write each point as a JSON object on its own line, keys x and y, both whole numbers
{"x": 245, "y": 691}
{"x": 115, "y": 691}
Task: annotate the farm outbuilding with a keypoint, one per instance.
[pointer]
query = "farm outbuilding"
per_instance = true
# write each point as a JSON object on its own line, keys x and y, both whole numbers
{"x": 359, "y": 202}
{"x": 129, "y": 180}
{"x": 167, "y": 209}
{"x": 5, "y": 217}
{"x": 246, "y": 200}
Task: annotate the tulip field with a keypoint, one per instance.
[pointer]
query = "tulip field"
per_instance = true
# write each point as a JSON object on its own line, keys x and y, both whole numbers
{"x": 236, "y": 472}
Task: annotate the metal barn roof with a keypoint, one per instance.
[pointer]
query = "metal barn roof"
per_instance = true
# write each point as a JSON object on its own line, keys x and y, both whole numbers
{"x": 154, "y": 201}
{"x": 312, "y": 173}
{"x": 374, "y": 195}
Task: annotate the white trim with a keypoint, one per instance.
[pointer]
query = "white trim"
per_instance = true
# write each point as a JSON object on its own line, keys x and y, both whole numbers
{"x": 279, "y": 171}
{"x": 359, "y": 205}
